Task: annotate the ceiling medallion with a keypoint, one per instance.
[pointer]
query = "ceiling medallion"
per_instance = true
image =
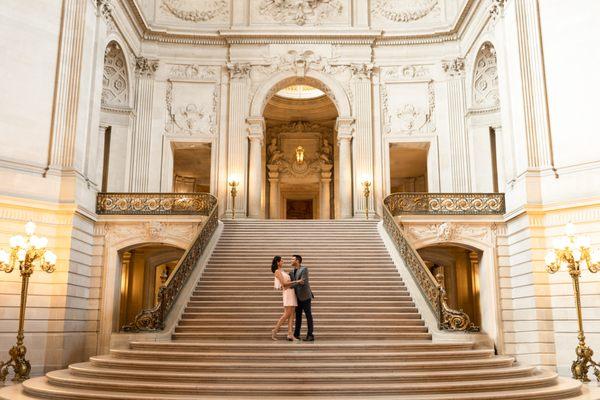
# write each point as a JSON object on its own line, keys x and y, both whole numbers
{"x": 404, "y": 10}
{"x": 301, "y": 12}
{"x": 195, "y": 10}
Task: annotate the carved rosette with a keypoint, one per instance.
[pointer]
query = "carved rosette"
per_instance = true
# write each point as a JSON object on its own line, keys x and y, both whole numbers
{"x": 196, "y": 10}
{"x": 404, "y": 10}
{"x": 145, "y": 67}
{"x": 301, "y": 12}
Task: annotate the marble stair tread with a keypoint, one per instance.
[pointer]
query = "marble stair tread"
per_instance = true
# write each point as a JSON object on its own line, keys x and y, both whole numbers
{"x": 65, "y": 378}
{"x": 305, "y": 375}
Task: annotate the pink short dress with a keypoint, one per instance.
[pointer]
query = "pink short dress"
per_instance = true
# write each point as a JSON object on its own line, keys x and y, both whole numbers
{"x": 289, "y": 295}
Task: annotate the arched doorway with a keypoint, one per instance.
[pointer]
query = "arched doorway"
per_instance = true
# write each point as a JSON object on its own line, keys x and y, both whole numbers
{"x": 457, "y": 270}
{"x": 300, "y": 163}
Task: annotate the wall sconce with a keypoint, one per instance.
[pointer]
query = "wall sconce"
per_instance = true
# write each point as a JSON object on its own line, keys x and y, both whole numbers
{"x": 26, "y": 253}
{"x": 300, "y": 154}
{"x": 574, "y": 254}
{"x": 366, "y": 184}
{"x": 233, "y": 184}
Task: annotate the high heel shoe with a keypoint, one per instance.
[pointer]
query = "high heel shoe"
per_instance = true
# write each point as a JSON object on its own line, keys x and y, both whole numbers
{"x": 290, "y": 338}
{"x": 274, "y": 334}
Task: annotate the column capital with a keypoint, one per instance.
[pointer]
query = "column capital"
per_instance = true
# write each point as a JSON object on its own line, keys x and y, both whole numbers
{"x": 104, "y": 8}
{"x": 239, "y": 70}
{"x": 497, "y": 9}
{"x": 455, "y": 67}
{"x": 145, "y": 66}
{"x": 362, "y": 71}
{"x": 344, "y": 126}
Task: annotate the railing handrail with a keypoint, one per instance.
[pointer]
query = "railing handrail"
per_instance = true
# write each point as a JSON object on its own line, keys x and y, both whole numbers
{"x": 450, "y": 203}
{"x": 153, "y": 319}
{"x": 432, "y": 290}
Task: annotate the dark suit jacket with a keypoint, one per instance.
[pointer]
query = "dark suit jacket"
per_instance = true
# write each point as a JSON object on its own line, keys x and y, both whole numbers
{"x": 303, "y": 291}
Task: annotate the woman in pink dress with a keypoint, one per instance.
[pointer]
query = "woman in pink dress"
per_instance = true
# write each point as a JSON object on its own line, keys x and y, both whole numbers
{"x": 284, "y": 282}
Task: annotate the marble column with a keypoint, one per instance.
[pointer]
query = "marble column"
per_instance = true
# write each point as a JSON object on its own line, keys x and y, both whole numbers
{"x": 324, "y": 196}
{"x": 274, "y": 195}
{"x": 362, "y": 144}
{"x": 344, "y": 127}
{"x": 237, "y": 142}
{"x": 255, "y": 173}
{"x": 457, "y": 109}
{"x": 142, "y": 124}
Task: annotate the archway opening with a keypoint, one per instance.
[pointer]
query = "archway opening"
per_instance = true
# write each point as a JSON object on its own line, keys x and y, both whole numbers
{"x": 300, "y": 160}
{"x": 143, "y": 270}
{"x": 457, "y": 270}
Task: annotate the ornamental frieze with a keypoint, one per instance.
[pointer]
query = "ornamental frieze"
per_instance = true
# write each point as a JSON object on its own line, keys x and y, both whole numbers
{"x": 404, "y": 10}
{"x": 301, "y": 12}
{"x": 196, "y": 10}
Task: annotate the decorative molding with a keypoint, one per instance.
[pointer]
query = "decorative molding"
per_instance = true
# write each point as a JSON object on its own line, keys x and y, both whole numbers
{"x": 496, "y": 9}
{"x": 145, "y": 67}
{"x": 115, "y": 81}
{"x": 450, "y": 232}
{"x": 299, "y": 126}
{"x": 191, "y": 11}
{"x": 455, "y": 67}
{"x": 446, "y": 203}
{"x": 190, "y": 118}
{"x": 362, "y": 71}
{"x": 406, "y": 72}
{"x": 194, "y": 72}
{"x": 409, "y": 11}
{"x": 239, "y": 70}
{"x": 486, "y": 93}
{"x": 411, "y": 118}
{"x": 301, "y": 12}
{"x": 154, "y": 203}
{"x": 104, "y": 8}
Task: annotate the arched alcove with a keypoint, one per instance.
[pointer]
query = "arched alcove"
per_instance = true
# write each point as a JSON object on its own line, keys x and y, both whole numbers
{"x": 485, "y": 78}
{"x": 115, "y": 80}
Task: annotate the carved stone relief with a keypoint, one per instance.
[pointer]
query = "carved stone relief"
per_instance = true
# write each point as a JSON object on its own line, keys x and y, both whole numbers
{"x": 450, "y": 231}
{"x": 150, "y": 231}
{"x": 301, "y": 12}
{"x": 115, "y": 88}
{"x": 192, "y": 106}
{"x": 455, "y": 67}
{"x": 409, "y": 117}
{"x": 196, "y": 10}
{"x": 404, "y": 10}
{"x": 485, "y": 78}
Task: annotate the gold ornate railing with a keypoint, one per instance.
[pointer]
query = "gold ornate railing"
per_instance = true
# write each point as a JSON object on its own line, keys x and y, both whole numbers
{"x": 165, "y": 204}
{"x": 434, "y": 293}
{"x": 154, "y": 203}
{"x": 447, "y": 203}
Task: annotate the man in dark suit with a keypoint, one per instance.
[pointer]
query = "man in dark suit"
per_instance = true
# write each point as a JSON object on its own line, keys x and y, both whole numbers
{"x": 304, "y": 295}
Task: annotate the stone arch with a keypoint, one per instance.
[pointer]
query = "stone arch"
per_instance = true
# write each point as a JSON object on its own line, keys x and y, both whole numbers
{"x": 115, "y": 77}
{"x": 313, "y": 78}
{"x": 485, "y": 88}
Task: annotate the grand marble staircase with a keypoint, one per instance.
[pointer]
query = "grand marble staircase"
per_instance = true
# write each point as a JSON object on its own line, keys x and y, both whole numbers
{"x": 370, "y": 339}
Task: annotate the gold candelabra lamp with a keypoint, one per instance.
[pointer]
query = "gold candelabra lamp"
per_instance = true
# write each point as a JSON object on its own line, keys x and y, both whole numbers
{"x": 574, "y": 254}
{"x": 26, "y": 254}
{"x": 233, "y": 184}
{"x": 366, "y": 184}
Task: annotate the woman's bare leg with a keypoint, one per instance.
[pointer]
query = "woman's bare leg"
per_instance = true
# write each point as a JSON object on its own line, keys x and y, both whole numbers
{"x": 285, "y": 317}
{"x": 291, "y": 322}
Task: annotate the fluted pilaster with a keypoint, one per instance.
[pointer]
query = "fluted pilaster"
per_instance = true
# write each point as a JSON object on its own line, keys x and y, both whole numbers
{"x": 237, "y": 142}
{"x": 363, "y": 138}
{"x": 142, "y": 124}
{"x": 66, "y": 100}
{"x": 457, "y": 109}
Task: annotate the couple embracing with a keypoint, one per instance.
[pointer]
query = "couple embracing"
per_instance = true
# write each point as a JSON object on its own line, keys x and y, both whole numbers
{"x": 297, "y": 297}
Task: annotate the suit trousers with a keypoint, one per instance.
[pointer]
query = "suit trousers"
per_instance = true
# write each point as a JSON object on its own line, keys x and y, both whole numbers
{"x": 303, "y": 306}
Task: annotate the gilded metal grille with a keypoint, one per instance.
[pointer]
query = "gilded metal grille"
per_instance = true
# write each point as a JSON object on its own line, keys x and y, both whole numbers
{"x": 446, "y": 203}
{"x": 155, "y": 203}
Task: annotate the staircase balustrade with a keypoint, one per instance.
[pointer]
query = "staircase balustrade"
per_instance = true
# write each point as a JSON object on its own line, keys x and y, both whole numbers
{"x": 434, "y": 293}
{"x": 153, "y": 319}
{"x": 446, "y": 203}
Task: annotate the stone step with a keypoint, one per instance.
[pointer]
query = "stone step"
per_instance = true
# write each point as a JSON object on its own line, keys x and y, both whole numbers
{"x": 317, "y": 314}
{"x": 264, "y": 330}
{"x": 261, "y": 303}
{"x": 266, "y": 336}
{"x": 276, "y": 296}
{"x": 253, "y": 321}
{"x": 65, "y": 378}
{"x": 306, "y": 376}
{"x": 278, "y": 308}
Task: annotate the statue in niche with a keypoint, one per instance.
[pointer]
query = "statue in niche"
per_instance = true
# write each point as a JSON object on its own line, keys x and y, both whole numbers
{"x": 326, "y": 150}
{"x": 275, "y": 155}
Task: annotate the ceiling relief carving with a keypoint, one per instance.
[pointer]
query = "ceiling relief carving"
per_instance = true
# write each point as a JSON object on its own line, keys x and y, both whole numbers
{"x": 301, "y": 12}
{"x": 191, "y": 100}
{"x": 408, "y": 114}
{"x": 485, "y": 78}
{"x": 196, "y": 10}
{"x": 115, "y": 87}
{"x": 404, "y": 10}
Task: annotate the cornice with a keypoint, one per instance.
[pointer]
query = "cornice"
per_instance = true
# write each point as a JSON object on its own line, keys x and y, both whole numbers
{"x": 245, "y": 36}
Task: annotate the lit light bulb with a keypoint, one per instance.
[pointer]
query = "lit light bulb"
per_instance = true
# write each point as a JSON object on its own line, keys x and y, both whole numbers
{"x": 34, "y": 241}
{"x": 585, "y": 242}
{"x": 550, "y": 257}
{"x": 576, "y": 254}
{"x": 4, "y": 257}
{"x": 30, "y": 228}
{"x": 17, "y": 241}
{"x": 21, "y": 254}
{"x": 583, "y": 264}
{"x": 50, "y": 257}
{"x": 43, "y": 242}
